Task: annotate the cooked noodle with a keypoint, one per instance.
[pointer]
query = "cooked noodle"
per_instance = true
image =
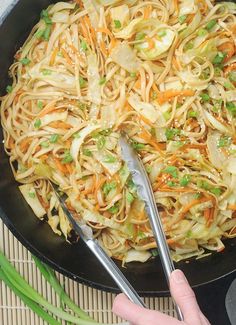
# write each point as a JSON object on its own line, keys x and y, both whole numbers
{"x": 162, "y": 71}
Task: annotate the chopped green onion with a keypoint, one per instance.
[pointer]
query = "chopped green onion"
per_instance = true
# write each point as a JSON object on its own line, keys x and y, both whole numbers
{"x": 154, "y": 252}
{"x": 40, "y": 104}
{"x": 129, "y": 197}
{"x": 218, "y": 71}
{"x": 67, "y": 158}
{"x": 192, "y": 114}
{"x": 224, "y": 142}
{"x": 137, "y": 146}
{"x": 211, "y": 24}
{"x": 37, "y": 123}
{"x": 228, "y": 85}
{"x": 218, "y": 59}
{"x": 102, "y": 81}
{"x": 197, "y": 195}
{"x": 161, "y": 33}
{"x": 83, "y": 45}
{"x": 109, "y": 159}
{"x": 171, "y": 183}
{"x": 32, "y": 195}
{"x": 182, "y": 19}
{"x": 189, "y": 234}
{"x": 231, "y": 107}
{"x": 9, "y": 89}
{"x": 205, "y": 97}
{"x": 202, "y": 32}
{"x": 133, "y": 74}
{"x": 166, "y": 116}
{"x": 148, "y": 169}
{"x": 87, "y": 152}
{"x": 114, "y": 209}
{"x": 76, "y": 135}
{"x": 107, "y": 187}
{"x": 171, "y": 170}
{"x": 25, "y": 61}
{"x": 171, "y": 133}
{"x": 140, "y": 36}
{"x": 46, "y": 33}
{"x": 101, "y": 142}
{"x": 39, "y": 33}
{"x": 46, "y": 72}
{"x": 216, "y": 190}
{"x": 54, "y": 138}
{"x": 44, "y": 144}
{"x": 154, "y": 95}
{"x": 185, "y": 180}
{"x": 82, "y": 82}
{"x": 45, "y": 16}
{"x": 117, "y": 23}
{"x": 189, "y": 45}
{"x": 232, "y": 76}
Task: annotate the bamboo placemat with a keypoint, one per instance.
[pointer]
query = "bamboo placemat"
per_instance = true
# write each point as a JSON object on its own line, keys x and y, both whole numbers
{"x": 97, "y": 303}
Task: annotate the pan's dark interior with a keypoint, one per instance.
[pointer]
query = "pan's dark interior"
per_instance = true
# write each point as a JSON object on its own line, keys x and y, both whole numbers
{"x": 76, "y": 261}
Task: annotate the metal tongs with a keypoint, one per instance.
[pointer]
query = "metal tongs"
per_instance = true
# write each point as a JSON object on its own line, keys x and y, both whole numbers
{"x": 145, "y": 192}
{"x": 86, "y": 234}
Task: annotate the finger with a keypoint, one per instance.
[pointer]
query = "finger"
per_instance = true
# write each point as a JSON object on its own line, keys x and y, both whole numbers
{"x": 185, "y": 298}
{"x": 205, "y": 321}
{"x": 137, "y": 315}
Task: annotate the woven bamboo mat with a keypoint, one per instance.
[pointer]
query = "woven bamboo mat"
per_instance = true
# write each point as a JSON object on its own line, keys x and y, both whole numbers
{"x": 97, "y": 303}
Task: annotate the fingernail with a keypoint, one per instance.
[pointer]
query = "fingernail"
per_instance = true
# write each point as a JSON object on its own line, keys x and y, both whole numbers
{"x": 179, "y": 277}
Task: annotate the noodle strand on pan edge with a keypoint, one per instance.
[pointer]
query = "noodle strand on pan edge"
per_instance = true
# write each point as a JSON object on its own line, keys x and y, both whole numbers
{"x": 164, "y": 72}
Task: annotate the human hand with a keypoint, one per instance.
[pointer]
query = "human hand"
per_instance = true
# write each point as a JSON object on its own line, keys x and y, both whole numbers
{"x": 183, "y": 296}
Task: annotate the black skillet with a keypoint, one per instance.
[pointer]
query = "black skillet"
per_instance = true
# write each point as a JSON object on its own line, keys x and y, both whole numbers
{"x": 209, "y": 276}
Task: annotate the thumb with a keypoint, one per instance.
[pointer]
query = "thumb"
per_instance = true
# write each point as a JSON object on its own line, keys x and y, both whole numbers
{"x": 185, "y": 298}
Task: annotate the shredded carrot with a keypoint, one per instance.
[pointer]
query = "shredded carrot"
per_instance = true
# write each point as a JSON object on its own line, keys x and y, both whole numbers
{"x": 147, "y": 12}
{"x": 151, "y": 43}
{"x": 228, "y": 48}
{"x": 60, "y": 125}
{"x": 187, "y": 207}
{"x": 190, "y": 18}
{"x": 84, "y": 30}
{"x": 74, "y": 49}
{"x": 232, "y": 207}
{"x": 164, "y": 96}
{"x": 138, "y": 83}
{"x": 154, "y": 86}
{"x": 91, "y": 29}
{"x": 104, "y": 31}
{"x": 99, "y": 184}
{"x": 25, "y": 144}
{"x": 70, "y": 168}
{"x": 148, "y": 137}
{"x": 176, "y": 5}
{"x": 103, "y": 47}
{"x": 46, "y": 111}
{"x": 203, "y": 6}
{"x": 113, "y": 44}
{"x": 60, "y": 166}
{"x": 145, "y": 120}
{"x": 176, "y": 189}
{"x": 194, "y": 146}
{"x": 53, "y": 56}
{"x": 66, "y": 56}
{"x": 41, "y": 200}
{"x": 11, "y": 143}
{"x": 44, "y": 157}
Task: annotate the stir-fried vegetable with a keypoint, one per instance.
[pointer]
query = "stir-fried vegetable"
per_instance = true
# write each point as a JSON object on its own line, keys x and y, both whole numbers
{"x": 164, "y": 74}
